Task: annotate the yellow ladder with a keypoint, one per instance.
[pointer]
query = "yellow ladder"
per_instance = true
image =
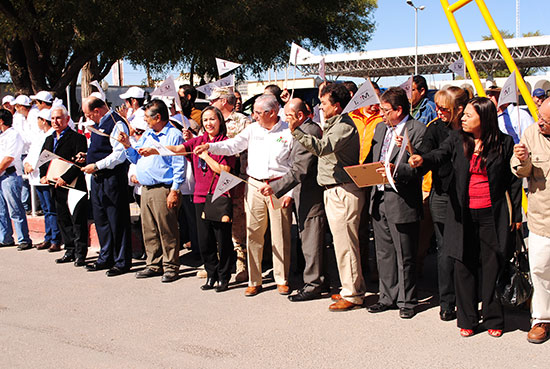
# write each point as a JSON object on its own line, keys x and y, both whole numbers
{"x": 449, "y": 12}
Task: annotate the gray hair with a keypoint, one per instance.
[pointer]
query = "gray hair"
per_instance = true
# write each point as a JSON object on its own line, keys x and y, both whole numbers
{"x": 62, "y": 108}
{"x": 267, "y": 103}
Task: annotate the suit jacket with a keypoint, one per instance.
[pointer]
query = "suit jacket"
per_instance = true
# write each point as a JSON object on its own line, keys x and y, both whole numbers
{"x": 303, "y": 177}
{"x": 404, "y": 206}
{"x": 70, "y": 144}
{"x": 501, "y": 180}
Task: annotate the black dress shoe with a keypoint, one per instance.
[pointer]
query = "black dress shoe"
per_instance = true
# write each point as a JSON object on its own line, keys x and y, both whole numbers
{"x": 24, "y": 246}
{"x": 447, "y": 315}
{"x": 80, "y": 262}
{"x": 96, "y": 267}
{"x": 67, "y": 258}
{"x": 209, "y": 285}
{"x": 222, "y": 286}
{"x": 304, "y": 296}
{"x": 114, "y": 271}
{"x": 406, "y": 313}
{"x": 379, "y": 308}
{"x": 148, "y": 273}
{"x": 169, "y": 276}
{"x": 7, "y": 244}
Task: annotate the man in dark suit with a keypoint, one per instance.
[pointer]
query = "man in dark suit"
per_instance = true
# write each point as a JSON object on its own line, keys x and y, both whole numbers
{"x": 308, "y": 196}
{"x": 106, "y": 161}
{"x": 396, "y": 214}
{"x": 74, "y": 228}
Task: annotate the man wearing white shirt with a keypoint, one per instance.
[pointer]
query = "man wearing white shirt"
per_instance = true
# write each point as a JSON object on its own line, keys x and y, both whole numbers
{"x": 269, "y": 143}
{"x": 106, "y": 160}
{"x": 52, "y": 235}
{"x": 11, "y": 207}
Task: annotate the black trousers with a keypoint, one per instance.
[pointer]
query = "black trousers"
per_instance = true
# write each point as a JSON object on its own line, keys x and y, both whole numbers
{"x": 73, "y": 228}
{"x": 445, "y": 264}
{"x": 216, "y": 246}
{"x": 111, "y": 211}
{"x": 480, "y": 243}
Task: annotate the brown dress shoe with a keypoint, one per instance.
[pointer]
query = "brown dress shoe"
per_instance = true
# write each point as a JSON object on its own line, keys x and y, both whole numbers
{"x": 43, "y": 245}
{"x": 54, "y": 247}
{"x": 343, "y": 305}
{"x": 252, "y": 291}
{"x": 539, "y": 333}
{"x": 336, "y": 297}
{"x": 283, "y": 289}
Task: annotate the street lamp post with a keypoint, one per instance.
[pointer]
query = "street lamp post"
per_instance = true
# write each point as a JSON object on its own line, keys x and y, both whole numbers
{"x": 416, "y": 9}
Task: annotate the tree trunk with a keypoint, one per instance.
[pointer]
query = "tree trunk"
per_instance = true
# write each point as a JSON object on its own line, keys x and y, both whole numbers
{"x": 35, "y": 67}
{"x": 86, "y": 78}
{"x": 17, "y": 66}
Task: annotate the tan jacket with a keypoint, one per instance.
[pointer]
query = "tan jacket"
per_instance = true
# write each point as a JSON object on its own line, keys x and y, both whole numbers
{"x": 537, "y": 170}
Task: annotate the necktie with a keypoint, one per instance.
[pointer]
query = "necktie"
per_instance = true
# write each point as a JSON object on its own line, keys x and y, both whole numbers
{"x": 509, "y": 127}
{"x": 384, "y": 151}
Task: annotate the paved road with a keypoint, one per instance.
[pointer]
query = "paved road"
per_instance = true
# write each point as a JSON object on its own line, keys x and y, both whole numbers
{"x": 59, "y": 316}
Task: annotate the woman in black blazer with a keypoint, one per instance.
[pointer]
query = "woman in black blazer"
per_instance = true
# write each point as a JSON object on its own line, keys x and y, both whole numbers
{"x": 479, "y": 217}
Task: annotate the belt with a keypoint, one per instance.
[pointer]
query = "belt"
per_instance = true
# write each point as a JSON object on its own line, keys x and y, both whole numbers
{"x": 268, "y": 180}
{"x": 328, "y": 187}
{"x": 159, "y": 185}
{"x": 10, "y": 170}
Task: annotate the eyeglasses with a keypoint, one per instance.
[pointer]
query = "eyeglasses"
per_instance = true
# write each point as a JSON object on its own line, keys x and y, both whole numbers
{"x": 203, "y": 166}
{"x": 542, "y": 120}
{"x": 386, "y": 111}
{"x": 444, "y": 110}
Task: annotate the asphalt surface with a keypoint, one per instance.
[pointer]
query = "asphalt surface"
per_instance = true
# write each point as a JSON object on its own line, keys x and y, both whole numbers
{"x": 60, "y": 316}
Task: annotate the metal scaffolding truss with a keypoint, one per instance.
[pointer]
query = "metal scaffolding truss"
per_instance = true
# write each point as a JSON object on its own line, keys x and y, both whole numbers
{"x": 526, "y": 52}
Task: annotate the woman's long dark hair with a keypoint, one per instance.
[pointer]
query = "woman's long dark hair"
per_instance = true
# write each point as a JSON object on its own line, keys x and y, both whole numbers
{"x": 219, "y": 114}
{"x": 490, "y": 133}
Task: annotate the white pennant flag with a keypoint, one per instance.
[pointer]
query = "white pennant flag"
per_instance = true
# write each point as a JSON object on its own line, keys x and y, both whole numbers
{"x": 458, "y": 67}
{"x": 408, "y": 86}
{"x": 299, "y": 55}
{"x": 365, "y": 96}
{"x": 225, "y": 66}
{"x": 322, "y": 69}
{"x": 509, "y": 92}
{"x": 168, "y": 88}
{"x": 73, "y": 198}
{"x": 226, "y": 182}
{"x": 208, "y": 88}
{"x": 45, "y": 157}
{"x": 99, "y": 89}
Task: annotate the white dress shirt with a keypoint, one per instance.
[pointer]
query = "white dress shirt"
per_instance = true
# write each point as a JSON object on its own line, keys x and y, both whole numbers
{"x": 11, "y": 145}
{"x": 268, "y": 150}
{"x": 34, "y": 153}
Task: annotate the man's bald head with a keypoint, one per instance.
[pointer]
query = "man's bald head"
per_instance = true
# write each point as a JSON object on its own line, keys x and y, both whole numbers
{"x": 94, "y": 109}
{"x": 297, "y": 105}
{"x": 296, "y": 113}
{"x": 544, "y": 117}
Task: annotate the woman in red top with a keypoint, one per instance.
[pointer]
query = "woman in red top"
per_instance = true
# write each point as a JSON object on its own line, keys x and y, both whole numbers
{"x": 479, "y": 220}
{"x": 215, "y": 242}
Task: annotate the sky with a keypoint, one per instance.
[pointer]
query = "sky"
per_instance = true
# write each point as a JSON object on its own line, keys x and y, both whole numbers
{"x": 395, "y": 25}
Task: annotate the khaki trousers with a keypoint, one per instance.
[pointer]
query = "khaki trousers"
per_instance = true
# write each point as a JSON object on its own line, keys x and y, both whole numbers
{"x": 539, "y": 263}
{"x": 343, "y": 205}
{"x": 258, "y": 212}
{"x": 160, "y": 230}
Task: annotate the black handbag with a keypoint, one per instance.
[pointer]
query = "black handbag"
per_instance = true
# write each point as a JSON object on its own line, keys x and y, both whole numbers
{"x": 514, "y": 286}
{"x": 219, "y": 210}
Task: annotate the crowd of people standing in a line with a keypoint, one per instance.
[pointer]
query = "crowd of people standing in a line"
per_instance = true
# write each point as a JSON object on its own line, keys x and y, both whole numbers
{"x": 461, "y": 181}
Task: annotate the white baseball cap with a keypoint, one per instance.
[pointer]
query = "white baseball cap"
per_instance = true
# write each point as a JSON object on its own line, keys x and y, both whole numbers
{"x": 43, "y": 96}
{"x": 133, "y": 92}
{"x": 45, "y": 114}
{"x": 8, "y": 99}
{"x": 22, "y": 100}
{"x": 98, "y": 95}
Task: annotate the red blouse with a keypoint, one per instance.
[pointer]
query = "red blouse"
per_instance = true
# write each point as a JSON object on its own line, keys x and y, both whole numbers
{"x": 478, "y": 189}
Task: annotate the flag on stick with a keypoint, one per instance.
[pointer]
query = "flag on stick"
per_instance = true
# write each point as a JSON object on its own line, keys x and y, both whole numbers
{"x": 458, "y": 67}
{"x": 45, "y": 157}
{"x": 298, "y": 54}
{"x": 226, "y": 182}
{"x": 225, "y": 66}
{"x": 366, "y": 95}
{"x": 509, "y": 92}
{"x": 322, "y": 69}
{"x": 168, "y": 88}
{"x": 408, "y": 86}
{"x": 208, "y": 88}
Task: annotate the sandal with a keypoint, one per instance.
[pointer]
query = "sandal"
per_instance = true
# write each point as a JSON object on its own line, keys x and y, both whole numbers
{"x": 466, "y": 332}
{"x": 495, "y": 332}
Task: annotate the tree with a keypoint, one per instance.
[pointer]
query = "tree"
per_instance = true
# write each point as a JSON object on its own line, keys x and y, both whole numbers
{"x": 505, "y": 72}
{"x": 46, "y": 43}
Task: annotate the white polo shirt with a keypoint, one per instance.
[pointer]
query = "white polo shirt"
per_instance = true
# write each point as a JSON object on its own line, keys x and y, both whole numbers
{"x": 11, "y": 144}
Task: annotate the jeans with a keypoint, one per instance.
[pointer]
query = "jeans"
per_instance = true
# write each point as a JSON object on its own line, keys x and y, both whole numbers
{"x": 50, "y": 217}
{"x": 11, "y": 209}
